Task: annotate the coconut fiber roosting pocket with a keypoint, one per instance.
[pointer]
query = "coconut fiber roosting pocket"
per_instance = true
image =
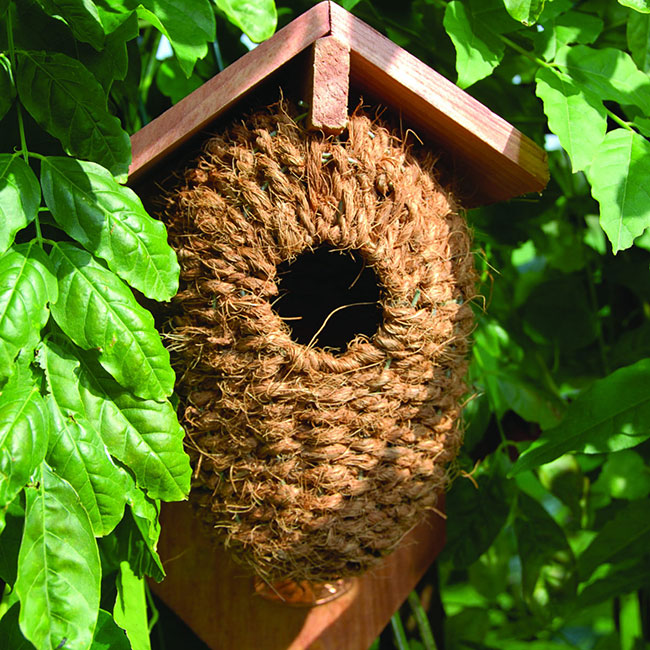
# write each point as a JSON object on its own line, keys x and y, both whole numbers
{"x": 313, "y": 464}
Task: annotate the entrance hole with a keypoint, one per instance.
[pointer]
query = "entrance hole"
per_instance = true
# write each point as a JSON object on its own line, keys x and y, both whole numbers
{"x": 327, "y": 297}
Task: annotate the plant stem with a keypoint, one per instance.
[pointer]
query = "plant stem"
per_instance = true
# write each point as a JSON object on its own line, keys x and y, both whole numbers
{"x": 423, "y": 621}
{"x": 529, "y": 55}
{"x": 398, "y": 632}
{"x": 618, "y": 120}
{"x": 12, "y": 58}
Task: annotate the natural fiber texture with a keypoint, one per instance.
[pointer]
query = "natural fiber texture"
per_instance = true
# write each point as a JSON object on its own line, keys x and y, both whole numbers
{"x": 314, "y": 465}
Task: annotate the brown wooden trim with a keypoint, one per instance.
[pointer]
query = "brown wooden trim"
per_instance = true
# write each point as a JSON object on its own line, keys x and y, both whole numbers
{"x": 193, "y": 113}
{"x": 216, "y": 598}
{"x": 329, "y": 82}
{"x": 492, "y": 161}
{"x": 501, "y": 161}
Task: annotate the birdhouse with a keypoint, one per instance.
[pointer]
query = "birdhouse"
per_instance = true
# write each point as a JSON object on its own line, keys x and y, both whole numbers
{"x": 314, "y": 192}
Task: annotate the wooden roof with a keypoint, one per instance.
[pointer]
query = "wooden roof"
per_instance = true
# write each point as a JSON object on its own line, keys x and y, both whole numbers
{"x": 493, "y": 159}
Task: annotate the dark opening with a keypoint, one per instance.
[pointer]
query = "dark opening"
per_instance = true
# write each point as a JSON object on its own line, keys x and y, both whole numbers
{"x": 316, "y": 285}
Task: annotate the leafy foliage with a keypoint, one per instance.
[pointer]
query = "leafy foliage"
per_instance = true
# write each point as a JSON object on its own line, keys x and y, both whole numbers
{"x": 89, "y": 440}
{"x": 548, "y": 539}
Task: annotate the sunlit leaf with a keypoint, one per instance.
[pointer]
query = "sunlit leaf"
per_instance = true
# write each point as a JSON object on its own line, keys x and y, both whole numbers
{"x": 610, "y": 415}
{"x": 98, "y": 312}
{"x": 143, "y": 434}
{"x": 59, "y": 572}
{"x": 130, "y": 611}
{"x": 173, "y": 83}
{"x": 188, "y": 24}
{"x": 525, "y": 11}
{"x": 110, "y": 221}
{"x": 625, "y": 536}
{"x": 76, "y": 451}
{"x": 607, "y": 73}
{"x": 68, "y": 102}
{"x": 568, "y": 28}
{"x": 257, "y": 20}
{"x": 577, "y": 118}
{"x": 478, "y": 51}
{"x": 24, "y": 430}
{"x": 20, "y": 196}
{"x": 638, "y": 5}
{"x": 619, "y": 182}
{"x": 26, "y": 286}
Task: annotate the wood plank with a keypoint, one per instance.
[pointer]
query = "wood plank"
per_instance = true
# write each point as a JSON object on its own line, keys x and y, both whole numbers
{"x": 193, "y": 113}
{"x": 329, "y": 81}
{"x": 215, "y": 597}
{"x": 497, "y": 160}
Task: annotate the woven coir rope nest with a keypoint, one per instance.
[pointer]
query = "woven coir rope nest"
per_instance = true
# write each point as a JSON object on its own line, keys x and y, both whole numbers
{"x": 313, "y": 464}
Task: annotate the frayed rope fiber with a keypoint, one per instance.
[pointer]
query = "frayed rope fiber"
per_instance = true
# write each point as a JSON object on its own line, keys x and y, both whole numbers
{"x": 312, "y": 464}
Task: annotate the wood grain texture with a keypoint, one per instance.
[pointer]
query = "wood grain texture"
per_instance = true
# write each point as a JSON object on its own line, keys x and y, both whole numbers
{"x": 193, "y": 113}
{"x": 489, "y": 159}
{"x": 328, "y": 86}
{"x": 215, "y": 597}
{"x": 496, "y": 160}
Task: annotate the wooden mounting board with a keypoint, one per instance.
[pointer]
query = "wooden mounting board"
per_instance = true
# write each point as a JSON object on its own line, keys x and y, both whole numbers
{"x": 492, "y": 160}
{"x": 215, "y": 597}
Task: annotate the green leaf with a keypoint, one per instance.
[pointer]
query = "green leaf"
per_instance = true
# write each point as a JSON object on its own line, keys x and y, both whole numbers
{"x": 10, "y": 635}
{"x": 571, "y": 27}
{"x": 172, "y": 82}
{"x": 577, "y": 118}
{"x": 3, "y": 7}
{"x": 638, "y": 5}
{"x": 547, "y": 561}
{"x": 108, "y": 636}
{"x": 110, "y": 222}
{"x": 612, "y": 414}
{"x": 625, "y": 536}
{"x": 69, "y": 103}
{"x": 97, "y": 311}
{"x": 638, "y": 39}
{"x": 478, "y": 50}
{"x": 26, "y": 286}
{"x": 142, "y": 434}
{"x": 257, "y": 20}
{"x": 130, "y": 611}
{"x": 476, "y": 515}
{"x": 189, "y": 26}
{"x": 76, "y": 452}
{"x": 112, "y": 62}
{"x": 618, "y": 177}
{"x": 136, "y": 538}
{"x": 7, "y": 88}
{"x": 59, "y": 573}
{"x": 607, "y": 73}
{"x": 525, "y": 11}
{"x": 624, "y": 476}
{"x": 20, "y": 196}
{"x": 618, "y": 581}
{"x": 23, "y": 434}
{"x": 114, "y": 13}
{"x": 81, "y": 16}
